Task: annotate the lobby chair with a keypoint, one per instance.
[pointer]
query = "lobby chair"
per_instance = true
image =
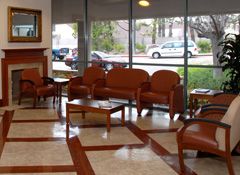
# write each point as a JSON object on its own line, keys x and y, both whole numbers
{"x": 32, "y": 84}
{"x": 221, "y": 101}
{"x": 164, "y": 88}
{"x": 216, "y": 137}
{"x": 80, "y": 87}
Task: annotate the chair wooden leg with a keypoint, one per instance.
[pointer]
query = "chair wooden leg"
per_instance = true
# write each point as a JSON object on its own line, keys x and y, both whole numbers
{"x": 181, "y": 161}
{"x": 54, "y": 98}
{"x": 19, "y": 98}
{"x": 34, "y": 101}
{"x": 229, "y": 164}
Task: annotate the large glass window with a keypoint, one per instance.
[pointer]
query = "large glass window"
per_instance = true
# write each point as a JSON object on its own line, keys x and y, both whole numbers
{"x": 119, "y": 34}
{"x": 108, "y": 34}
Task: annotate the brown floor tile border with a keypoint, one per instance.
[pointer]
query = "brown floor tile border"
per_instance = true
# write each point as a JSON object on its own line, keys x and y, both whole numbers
{"x": 35, "y": 121}
{"x": 79, "y": 157}
{"x": 38, "y": 169}
{"x": 4, "y": 128}
{"x": 46, "y": 139}
{"x": 112, "y": 147}
{"x": 160, "y": 130}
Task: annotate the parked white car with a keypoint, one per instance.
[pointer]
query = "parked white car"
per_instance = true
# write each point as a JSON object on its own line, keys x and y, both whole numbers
{"x": 173, "y": 48}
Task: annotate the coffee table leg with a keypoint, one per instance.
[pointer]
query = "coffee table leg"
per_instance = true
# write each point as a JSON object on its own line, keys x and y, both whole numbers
{"x": 83, "y": 114}
{"x": 108, "y": 122}
{"x": 123, "y": 116}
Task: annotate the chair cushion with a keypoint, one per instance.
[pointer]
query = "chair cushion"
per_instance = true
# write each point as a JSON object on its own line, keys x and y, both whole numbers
{"x": 81, "y": 89}
{"x": 201, "y": 135}
{"x": 152, "y": 97}
{"x": 123, "y": 93}
{"x": 45, "y": 90}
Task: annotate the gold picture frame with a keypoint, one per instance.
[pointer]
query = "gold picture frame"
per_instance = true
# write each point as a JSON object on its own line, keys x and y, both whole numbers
{"x": 24, "y": 25}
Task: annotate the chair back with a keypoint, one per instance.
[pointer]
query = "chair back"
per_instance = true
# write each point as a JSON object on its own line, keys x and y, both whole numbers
{"x": 119, "y": 77}
{"x": 33, "y": 75}
{"x": 164, "y": 80}
{"x": 232, "y": 117}
{"x": 91, "y": 74}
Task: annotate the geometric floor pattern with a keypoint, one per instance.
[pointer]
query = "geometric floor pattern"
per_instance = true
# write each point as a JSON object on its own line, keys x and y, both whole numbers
{"x": 38, "y": 142}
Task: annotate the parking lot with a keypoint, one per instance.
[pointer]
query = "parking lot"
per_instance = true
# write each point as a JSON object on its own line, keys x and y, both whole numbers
{"x": 195, "y": 60}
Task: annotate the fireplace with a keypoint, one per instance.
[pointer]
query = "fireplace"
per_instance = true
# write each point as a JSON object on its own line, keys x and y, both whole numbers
{"x": 14, "y": 62}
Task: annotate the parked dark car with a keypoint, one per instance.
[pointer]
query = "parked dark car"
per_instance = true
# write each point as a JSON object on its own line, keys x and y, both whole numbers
{"x": 60, "y": 53}
{"x": 108, "y": 62}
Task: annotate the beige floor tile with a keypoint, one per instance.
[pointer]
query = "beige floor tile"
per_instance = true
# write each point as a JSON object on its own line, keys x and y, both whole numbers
{"x": 168, "y": 141}
{"x": 36, "y": 130}
{"x": 91, "y": 119}
{"x": 212, "y": 166}
{"x": 128, "y": 162}
{"x": 35, "y": 154}
{"x": 100, "y": 136}
{"x": 35, "y": 114}
{"x": 157, "y": 122}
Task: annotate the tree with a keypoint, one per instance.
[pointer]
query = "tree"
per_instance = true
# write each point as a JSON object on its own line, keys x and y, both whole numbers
{"x": 213, "y": 28}
{"x": 153, "y": 29}
{"x": 102, "y": 35}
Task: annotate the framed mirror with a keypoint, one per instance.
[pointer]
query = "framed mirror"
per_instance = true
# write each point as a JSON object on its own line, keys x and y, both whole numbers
{"x": 24, "y": 25}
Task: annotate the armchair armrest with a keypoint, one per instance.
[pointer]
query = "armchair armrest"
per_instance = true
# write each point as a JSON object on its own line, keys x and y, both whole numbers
{"x": 99, "y": 83}
{"x": 214, "y": 105}
{"x": 75, "y": 81}
{"x": 203, "y": 121}
{"x": 206, "y": 121}
{"x": 29, "y": 81}
{"x": 48, "y": 80}
{"x": 145, "y": 86}
{"x": 214, "y": 108}
{"x": 176, "y": 97}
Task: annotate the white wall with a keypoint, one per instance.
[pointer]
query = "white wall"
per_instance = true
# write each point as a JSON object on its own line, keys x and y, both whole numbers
{"x": 45, "y": 6}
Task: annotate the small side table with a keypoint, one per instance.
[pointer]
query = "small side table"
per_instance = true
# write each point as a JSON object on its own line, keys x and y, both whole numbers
{"x": 59, "y": 83}
{"x": 199, "y": 95}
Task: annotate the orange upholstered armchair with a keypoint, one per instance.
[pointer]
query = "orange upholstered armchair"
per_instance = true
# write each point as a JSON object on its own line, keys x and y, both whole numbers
{"x": 32, "y": 84}
{"x": 216, "y": 137}
{"x": 220, "y": 101}
{"x": 164, "y": 88}
{"x": 80, "y": 87}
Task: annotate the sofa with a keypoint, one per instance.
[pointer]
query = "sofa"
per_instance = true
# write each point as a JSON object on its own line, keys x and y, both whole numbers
{"x": 120, "y": 83}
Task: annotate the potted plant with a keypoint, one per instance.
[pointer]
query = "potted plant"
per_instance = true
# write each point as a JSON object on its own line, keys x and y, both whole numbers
{"x": 229, "y": 58}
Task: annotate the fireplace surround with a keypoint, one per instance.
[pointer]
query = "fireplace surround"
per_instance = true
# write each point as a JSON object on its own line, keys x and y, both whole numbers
{"x": 17, "y": 60}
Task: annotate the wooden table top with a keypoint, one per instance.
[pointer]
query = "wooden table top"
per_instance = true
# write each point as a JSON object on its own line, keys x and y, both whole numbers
{"x": 92, "y": 103}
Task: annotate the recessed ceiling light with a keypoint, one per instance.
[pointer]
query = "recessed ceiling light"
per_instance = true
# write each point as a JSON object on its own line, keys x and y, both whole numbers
{"x": 144, "y": 3}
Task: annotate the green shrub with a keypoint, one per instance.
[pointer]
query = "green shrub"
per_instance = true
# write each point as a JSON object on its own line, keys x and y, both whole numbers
{"x": 118, "y": 47}
{"x": 203, "y": 78}
{"x": 205, "y": 46}
{"x": 140, "y": 48}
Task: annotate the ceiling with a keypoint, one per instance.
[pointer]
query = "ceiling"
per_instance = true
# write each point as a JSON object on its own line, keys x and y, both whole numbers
{"x": 69, "y": 11}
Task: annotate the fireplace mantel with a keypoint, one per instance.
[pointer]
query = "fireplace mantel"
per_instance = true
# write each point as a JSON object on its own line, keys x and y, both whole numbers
{"x": 23, "y": 56}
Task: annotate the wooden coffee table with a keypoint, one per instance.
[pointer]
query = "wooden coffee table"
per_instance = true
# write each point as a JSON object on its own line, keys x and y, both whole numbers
{"x": 87, "y": 105}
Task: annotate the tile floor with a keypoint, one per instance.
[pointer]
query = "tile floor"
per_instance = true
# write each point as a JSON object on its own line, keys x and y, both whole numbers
{"x": 38, "y": 142}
